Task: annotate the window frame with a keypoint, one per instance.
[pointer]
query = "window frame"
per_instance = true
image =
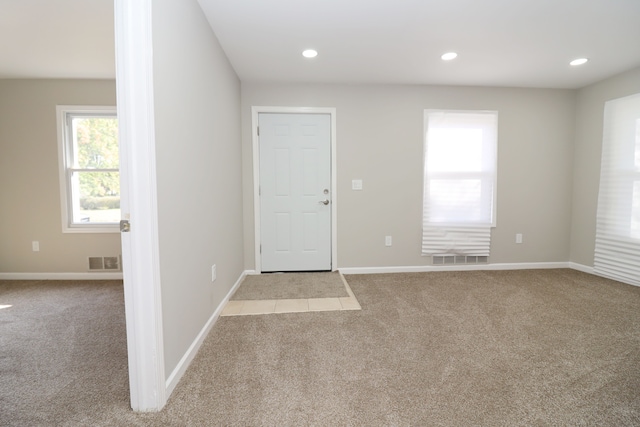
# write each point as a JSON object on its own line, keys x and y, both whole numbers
{"x": 635, "y": 184}
{"x": 617, "y": 241}
{"x": 483, "y": 176}
{"x": 619, "y": 166}
{"x": 65, "y": 166}
{"x": 630, "y": 175}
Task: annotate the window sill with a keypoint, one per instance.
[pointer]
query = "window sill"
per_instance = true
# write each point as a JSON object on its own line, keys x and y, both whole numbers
{"x": 92, "y": 229}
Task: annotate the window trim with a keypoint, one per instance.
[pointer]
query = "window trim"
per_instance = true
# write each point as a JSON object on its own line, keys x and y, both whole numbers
{"x": 482, "y": 175}
{"x": 64, "y": 159}
{"x": 617, "y": 248}
{"x": 455, "y": 237}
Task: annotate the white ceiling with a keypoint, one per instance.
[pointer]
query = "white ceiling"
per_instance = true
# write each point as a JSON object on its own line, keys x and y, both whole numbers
{"x": 500, "y": 42}
{"x": 526, "y": 43}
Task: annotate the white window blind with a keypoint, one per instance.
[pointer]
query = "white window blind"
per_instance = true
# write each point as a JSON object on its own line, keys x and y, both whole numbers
{"x": 459, "y": 182}
{"x": 617, "y": 253}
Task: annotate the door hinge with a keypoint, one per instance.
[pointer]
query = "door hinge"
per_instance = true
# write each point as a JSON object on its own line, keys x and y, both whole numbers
{"x": 258, "y": 130}
{"x": 260, "y": 248}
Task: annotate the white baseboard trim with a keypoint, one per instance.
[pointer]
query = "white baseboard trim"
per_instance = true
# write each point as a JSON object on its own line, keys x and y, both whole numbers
{"x": 428, "y": 268}
{"x": 181, "y": 368}
{"x": 581, "y": 267}
{"x": 591, "y": 270}
{"x": 61, "y": 276}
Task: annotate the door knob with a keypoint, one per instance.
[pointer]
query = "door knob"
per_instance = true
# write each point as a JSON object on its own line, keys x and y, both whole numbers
{"x": 125, "y": 227}
{"x": 324, "y": 202}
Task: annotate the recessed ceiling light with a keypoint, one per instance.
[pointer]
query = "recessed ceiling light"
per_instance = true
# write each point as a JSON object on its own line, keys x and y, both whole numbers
{"x": 310, "y": 53}
{"x": 449, "y": 56}
{"x": 578, "y": 61}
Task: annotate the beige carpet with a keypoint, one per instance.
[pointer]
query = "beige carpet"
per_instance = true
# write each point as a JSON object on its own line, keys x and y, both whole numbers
{"x": 271, "y": 286}
{"x": 63, "y": 352}
{"x": 503, "y": 348}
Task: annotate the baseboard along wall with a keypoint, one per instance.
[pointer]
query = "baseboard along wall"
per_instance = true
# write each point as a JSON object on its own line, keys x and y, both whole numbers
{"x": 62, "y": 276}
{"x": 345, "y": 270}
{"x": 461, "y": 267}
{"x": 173, "y": 379}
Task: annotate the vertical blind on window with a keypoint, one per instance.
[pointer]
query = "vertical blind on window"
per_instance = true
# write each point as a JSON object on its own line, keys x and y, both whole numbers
{"x": 459, "y": 182}
{"x": 617, "y": 253}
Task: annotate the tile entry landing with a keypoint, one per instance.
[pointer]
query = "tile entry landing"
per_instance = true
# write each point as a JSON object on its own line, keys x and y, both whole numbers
{"x": 253, "y": 307}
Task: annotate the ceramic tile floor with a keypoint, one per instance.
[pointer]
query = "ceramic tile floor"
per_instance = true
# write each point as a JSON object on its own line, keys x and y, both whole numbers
{"x": 252, "y": 307}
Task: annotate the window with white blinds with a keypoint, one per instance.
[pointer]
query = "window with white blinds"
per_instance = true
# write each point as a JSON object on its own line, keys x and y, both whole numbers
{"x": 459, "y": 182}
{"x": 617, "y": 253}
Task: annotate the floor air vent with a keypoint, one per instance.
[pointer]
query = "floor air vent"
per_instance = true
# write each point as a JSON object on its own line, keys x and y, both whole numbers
{"x": 111, "y": 263}
{"x": 458, "y": 259}
{"x": 98, "y": 263}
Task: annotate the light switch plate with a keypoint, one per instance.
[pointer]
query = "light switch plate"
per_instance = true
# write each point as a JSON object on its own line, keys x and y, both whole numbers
{"x": 356, "y": 184}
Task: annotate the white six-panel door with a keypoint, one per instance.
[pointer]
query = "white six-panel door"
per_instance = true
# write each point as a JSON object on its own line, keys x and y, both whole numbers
{"x": 295, "y": 191}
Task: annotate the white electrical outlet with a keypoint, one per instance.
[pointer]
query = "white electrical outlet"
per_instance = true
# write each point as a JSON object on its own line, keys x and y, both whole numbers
{"x": 518, "y": 238}
{"x": 35, "y": 246}
{"x": 356, "y": 184}
{"x": 213, "y": 273}
{"x": 387, "y": 240}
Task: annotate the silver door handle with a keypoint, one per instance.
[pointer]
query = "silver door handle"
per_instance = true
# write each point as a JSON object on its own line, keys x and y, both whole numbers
{"x": 324, "y": 202}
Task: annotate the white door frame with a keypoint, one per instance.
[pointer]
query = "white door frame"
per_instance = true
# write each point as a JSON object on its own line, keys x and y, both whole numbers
{"x": 140, "y": 252}
{"x": 255, "y": 111}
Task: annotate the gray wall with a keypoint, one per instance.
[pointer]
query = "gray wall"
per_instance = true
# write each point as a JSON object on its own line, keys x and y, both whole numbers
{"x": 588, "y": 149}
{"x": 198, "y": 154}
{"x": 29, "y": 184}
{"x": 379, "y": 140}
